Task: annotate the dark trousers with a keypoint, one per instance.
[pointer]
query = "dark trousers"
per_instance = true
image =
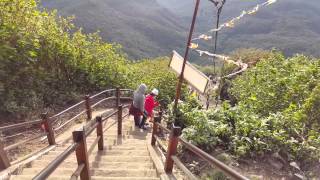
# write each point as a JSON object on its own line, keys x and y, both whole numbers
{"x": 144, "y": 119}
{"x": 137, "y": 120}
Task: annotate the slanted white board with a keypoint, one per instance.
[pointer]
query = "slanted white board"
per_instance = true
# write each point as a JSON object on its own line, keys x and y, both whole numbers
{"x": 192, "y": 75}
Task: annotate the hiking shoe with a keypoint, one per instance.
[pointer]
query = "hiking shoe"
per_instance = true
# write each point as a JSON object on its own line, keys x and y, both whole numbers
{"x": 143, "y": 127}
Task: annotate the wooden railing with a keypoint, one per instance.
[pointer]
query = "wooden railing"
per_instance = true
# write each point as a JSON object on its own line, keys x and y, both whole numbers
{"x": 171, "y": 157}
{"x": 47, "y": 124}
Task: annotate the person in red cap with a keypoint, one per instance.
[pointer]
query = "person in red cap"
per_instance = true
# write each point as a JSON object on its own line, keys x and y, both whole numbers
{"x": 149, "y": 105}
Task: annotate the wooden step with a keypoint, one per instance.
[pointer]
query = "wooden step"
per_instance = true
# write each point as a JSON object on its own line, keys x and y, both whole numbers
{"x": 107, "y": 158}
{"x": 27, "y": 177}
{"x": 110, "y": 152}
{"x": 111, "y": 165}
{"x": 98, "y": 172}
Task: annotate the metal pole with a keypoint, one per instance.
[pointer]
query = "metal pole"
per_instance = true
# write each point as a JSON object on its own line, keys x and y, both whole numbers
{"x": 179, "y": 85}
{"x": 216, "y": 33}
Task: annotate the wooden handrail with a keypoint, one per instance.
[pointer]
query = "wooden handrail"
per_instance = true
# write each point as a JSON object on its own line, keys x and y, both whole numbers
{"x": 19, "y": 125}
{"x": 69, "y": 121}
{"x": 105, "y": 99}
{"x": 224, "y": 168}
{"x": 182, "y": 167}
{"x": 126, "y": 106}
{"x": 126, "y": 115}
{"x": 95, "y": 142}
{"x": 105, "y": 117}
{"x": 108, "y": 90}
{"x": 68, "y": 109}
{"x": 130, "y": 90}
{"x": 172, "y": 147}
{"x": 46, "y": 172}
{"x": 90, "y": 129}
{"x": 29, "y": 123}
{"x": 77, "y": 172}
{"x": 13, "y": 146}
{"x": 160, "y": 144}
{"x": 79, "y": 136}
{"x": 163, "y": 127}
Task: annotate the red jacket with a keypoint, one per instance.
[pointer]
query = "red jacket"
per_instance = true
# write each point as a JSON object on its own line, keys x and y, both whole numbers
{"x": 150, "y": 104}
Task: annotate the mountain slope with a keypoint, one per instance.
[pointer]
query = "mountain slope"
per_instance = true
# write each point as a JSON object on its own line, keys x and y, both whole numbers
{"x": 150, "y": 28}
{"x": 142, "y": 27}
{"x": 289, "y": 25}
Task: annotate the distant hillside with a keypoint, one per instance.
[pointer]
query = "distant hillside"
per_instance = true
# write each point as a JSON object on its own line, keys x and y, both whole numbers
{"x": 150, "y": 28}
{"x": 142, "y": 27}
{"x": 289, "y": 25}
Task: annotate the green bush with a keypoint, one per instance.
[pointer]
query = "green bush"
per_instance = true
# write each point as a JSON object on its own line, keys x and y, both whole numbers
{"x": 155, "y": 74}
{"x": 277, "y": 111}
{"x": 45, "y": 61}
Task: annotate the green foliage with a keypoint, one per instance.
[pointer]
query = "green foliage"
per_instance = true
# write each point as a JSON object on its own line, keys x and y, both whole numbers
{"x": 45, "y": 61}
{"x": 155, "y": 74}
{"x": 276, "y": 84}
{"x": 277, "y": 111}
{"x": 181, "y": 117}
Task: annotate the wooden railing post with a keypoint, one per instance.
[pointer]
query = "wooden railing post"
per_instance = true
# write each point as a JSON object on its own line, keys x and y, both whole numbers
{"x": 156, "y": 120}
{"x": 117, "y": 97}
{"x": 172, "y": 148}
{"x": 48, "y": 128}
{"x": 4, "y": 160}
{"x": 120, "y": 119}
{"x": 88, "y": 107}
{"x": 82, "y": 153}
{"x": 100, "y": 132}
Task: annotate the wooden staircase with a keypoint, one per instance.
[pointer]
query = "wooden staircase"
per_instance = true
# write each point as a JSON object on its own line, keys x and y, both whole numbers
{"x": 118, "y": 149}
{"x": 123, "y": 157}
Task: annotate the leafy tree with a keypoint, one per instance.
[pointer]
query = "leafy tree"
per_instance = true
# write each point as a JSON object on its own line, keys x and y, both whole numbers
{"x": 45, "y": 61}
